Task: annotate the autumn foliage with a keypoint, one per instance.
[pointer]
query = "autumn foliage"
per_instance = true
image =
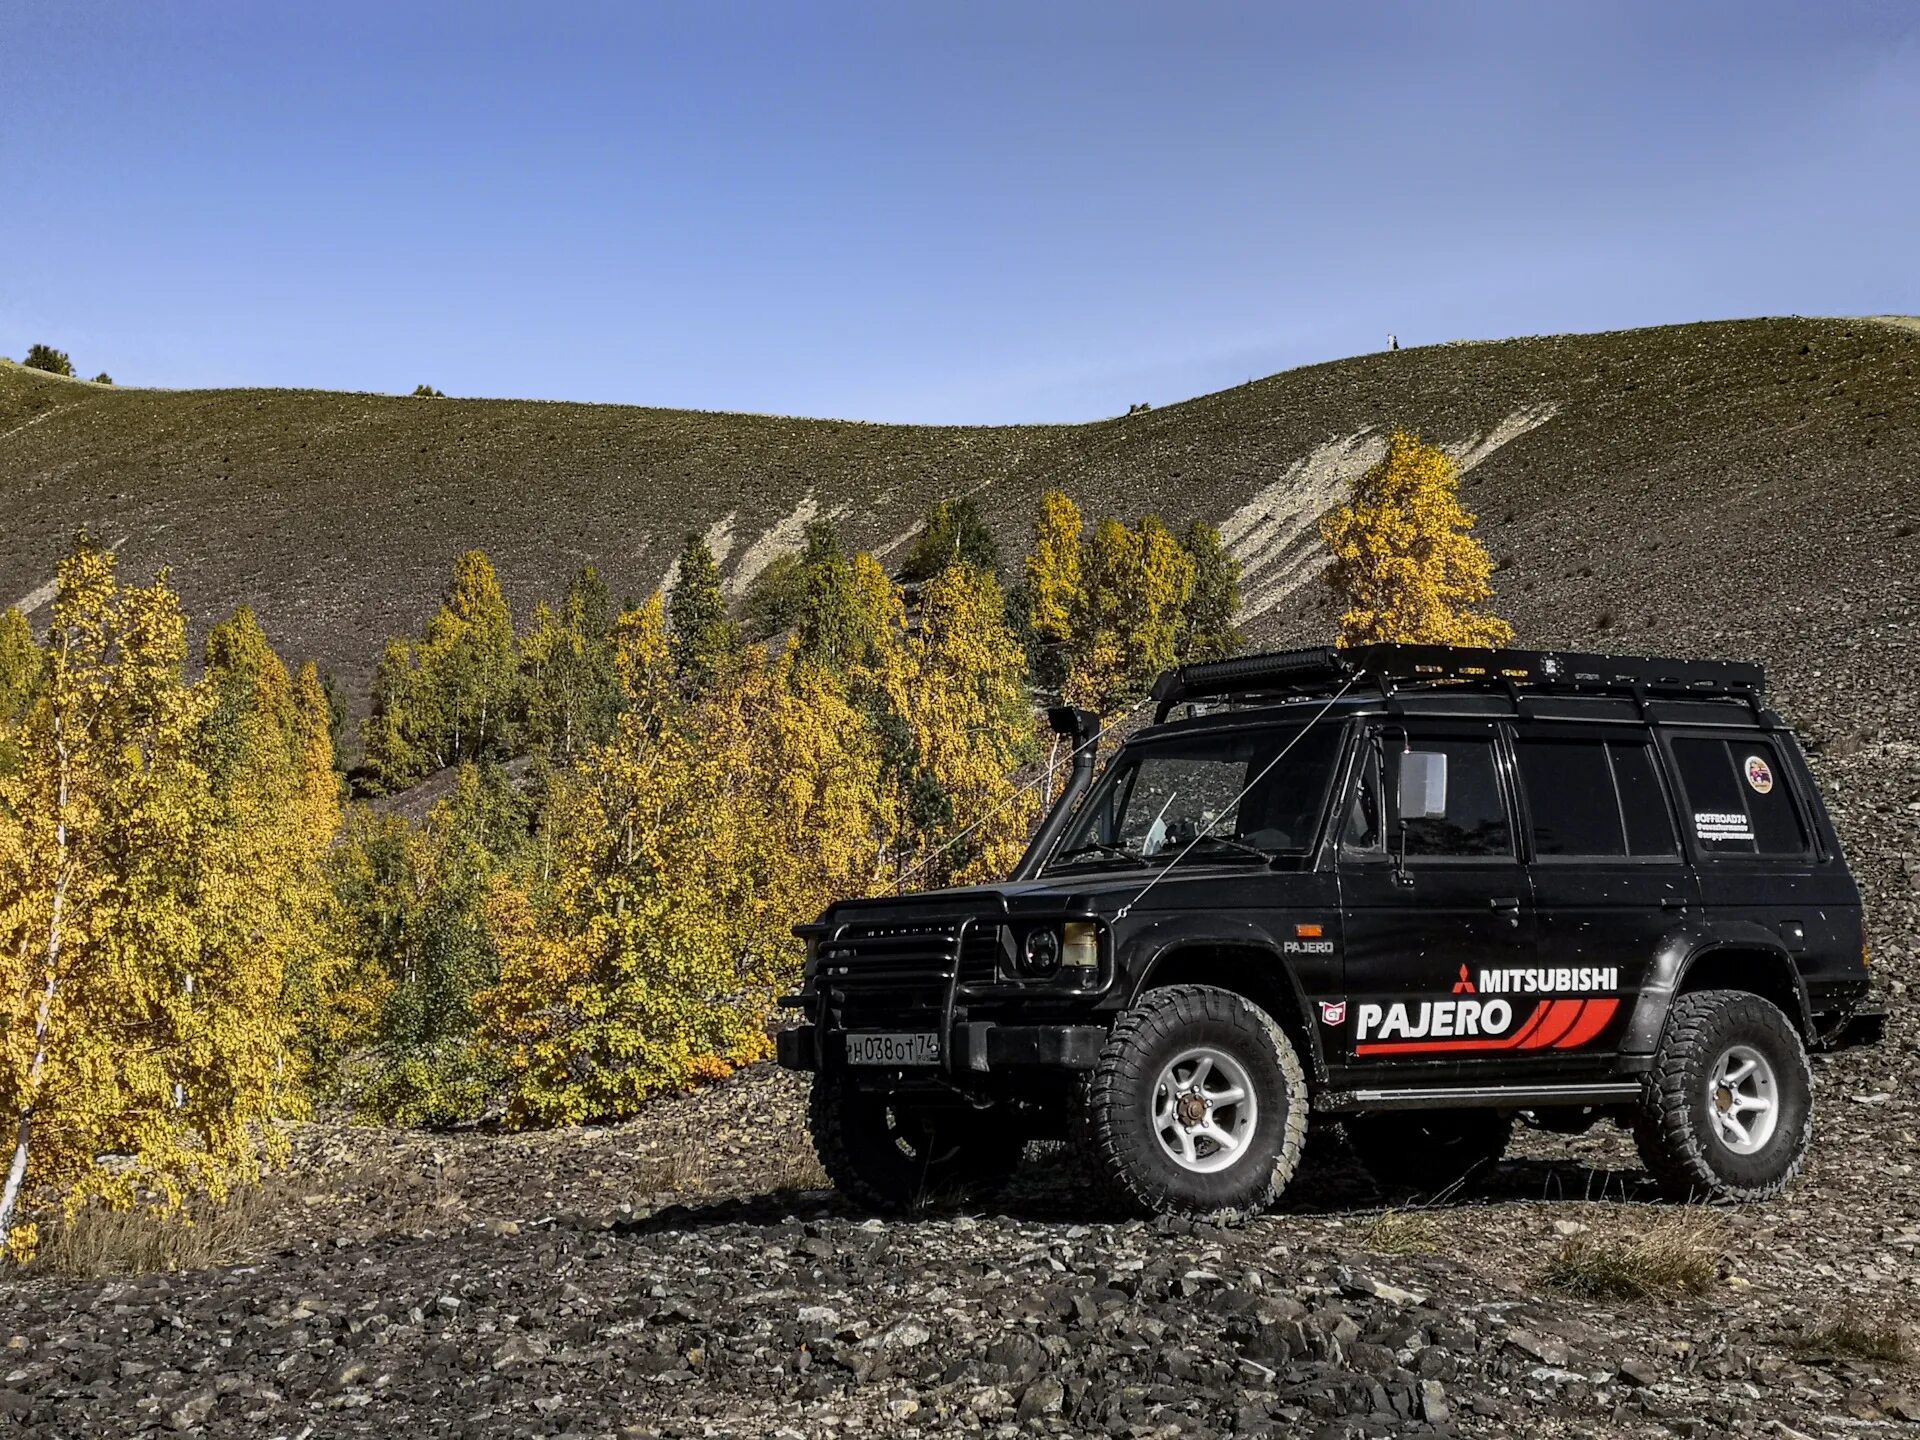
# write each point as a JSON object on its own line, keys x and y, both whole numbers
{"x": 199, "y": 937}
{"x": 1405, "y": 562}
{"x": 160, "y": 844}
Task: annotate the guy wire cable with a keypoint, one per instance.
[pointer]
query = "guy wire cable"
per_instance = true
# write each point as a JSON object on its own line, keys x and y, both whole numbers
{"x": 1228, "y": 808}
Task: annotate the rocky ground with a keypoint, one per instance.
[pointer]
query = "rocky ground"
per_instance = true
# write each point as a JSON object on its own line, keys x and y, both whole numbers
{"x": 680, "y": 1276}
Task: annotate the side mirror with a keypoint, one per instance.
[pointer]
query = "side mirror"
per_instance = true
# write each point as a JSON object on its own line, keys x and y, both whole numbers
{"x": 1423, "y": 785}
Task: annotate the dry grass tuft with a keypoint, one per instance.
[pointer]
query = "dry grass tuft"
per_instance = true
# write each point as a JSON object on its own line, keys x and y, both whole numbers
{"x": 794, "y": 1167}
{"x": 97, "y": 1241}
{"x": 1872, "y": 1336}
{"x": 1403, "y": 1232}
{"x": 1678, "y": 1254}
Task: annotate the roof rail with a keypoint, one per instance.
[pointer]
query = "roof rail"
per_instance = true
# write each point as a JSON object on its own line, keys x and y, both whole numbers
{"x": 1319, "y": 669}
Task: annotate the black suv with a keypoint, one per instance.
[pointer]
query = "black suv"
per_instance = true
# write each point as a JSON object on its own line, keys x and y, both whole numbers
{"x": 1421, "y": 889}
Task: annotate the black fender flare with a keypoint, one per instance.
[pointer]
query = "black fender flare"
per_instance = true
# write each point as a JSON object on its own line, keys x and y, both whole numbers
{"x": 1163, "y": 940}
{"x": 1667, "y": 974}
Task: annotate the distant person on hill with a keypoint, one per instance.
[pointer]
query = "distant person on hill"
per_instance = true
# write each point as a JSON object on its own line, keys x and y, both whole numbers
{"x": 1393, "y": 342}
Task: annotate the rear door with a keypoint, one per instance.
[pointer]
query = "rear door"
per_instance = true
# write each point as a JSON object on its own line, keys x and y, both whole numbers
{"x": 1610, "y": 885}
{"x": 1416, "y": 935}
{"x": 1760, "y": 862}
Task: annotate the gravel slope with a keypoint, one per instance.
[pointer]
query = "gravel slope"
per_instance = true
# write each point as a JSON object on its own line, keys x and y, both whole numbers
{"x": 553, "y": 1285}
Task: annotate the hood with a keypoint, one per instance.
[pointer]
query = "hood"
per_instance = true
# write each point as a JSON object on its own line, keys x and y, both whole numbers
{"x": 1081, "y": 891}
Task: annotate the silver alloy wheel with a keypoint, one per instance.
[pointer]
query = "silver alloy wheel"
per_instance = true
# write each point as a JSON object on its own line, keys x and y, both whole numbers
{"x": 1204, "y": 1110}
{"x": 1743, "y": 1099}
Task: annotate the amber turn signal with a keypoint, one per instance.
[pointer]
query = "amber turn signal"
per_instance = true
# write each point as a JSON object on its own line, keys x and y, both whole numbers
{"x": 1082, "y": 948}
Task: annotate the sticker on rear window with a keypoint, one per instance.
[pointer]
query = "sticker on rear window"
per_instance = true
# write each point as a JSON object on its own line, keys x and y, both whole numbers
{"x": 1759, "y": 774}
{"x": 1722, "y": 825}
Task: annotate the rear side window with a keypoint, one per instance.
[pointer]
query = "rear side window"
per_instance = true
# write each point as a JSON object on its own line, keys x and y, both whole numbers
{"x": 1594, "y": 798}
{"x": 1738, "y": 797}
{"x": 1643, "y": 801}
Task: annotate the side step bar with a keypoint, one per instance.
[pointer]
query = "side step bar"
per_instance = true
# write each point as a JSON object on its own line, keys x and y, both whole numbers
{"x": 1488, "y": 1097}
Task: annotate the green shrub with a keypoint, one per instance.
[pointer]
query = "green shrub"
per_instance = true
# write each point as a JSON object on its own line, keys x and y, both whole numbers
{"x": 54, "y": 362}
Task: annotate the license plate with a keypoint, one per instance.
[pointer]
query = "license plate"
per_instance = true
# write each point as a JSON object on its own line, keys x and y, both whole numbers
{"x": 910, "y": 1048}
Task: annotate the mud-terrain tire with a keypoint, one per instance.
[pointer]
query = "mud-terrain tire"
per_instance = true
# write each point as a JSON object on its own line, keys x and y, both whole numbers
{"x": 1149, "y": 1082}
{"x": 1428, "y": 1151}
{"x": 894, "y": 1154}
{"x": 1681, "y": 1130}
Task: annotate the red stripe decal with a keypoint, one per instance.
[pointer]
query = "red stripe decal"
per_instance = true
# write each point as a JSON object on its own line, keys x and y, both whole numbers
{"x": 1599, "y": 1012}
{"x": 1565, "y": 1014}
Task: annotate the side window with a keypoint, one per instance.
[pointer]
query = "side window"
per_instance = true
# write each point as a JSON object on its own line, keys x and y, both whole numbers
{"x": 1738, "y": 798}
{"x": 1475, "y": 822}
{"x": 1570, "y": 797}
{"x": 1643, "y": 801}
{"x": 1365, "y": 831}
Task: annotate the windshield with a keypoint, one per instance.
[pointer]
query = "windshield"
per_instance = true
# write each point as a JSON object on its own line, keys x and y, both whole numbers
{"x": 1159, "y": 797}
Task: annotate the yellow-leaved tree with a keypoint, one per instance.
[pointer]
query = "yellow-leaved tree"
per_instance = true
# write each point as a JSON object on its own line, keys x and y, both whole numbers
{"x": 631, "y": 970}
{"x": 143, "y": 939}
{"x": 1405, "y": 562}
{"x": 455, "y": 694}
{"x": 1051, "y": 586}
{"x": 1130, "y": 609}
{"x": 963, "y": 692}
{"x": 21, "y": 666}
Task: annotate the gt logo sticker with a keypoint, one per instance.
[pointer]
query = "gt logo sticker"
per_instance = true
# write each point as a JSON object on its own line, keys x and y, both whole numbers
{"x": 1759, "y": 774}
{"x": 1333, "y": 1012}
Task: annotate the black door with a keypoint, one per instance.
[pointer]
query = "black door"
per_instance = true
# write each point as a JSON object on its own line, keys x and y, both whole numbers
{"x": 1416, "y": 933}
{"x": 1609, "y": 883}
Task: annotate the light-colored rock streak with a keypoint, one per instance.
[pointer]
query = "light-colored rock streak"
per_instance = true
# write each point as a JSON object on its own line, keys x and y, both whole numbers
{"x": 1275, "y": 535}
{"x": 43, "y": 595}
{"x": 786, "y": 536}
{"x": 44, "y": 415}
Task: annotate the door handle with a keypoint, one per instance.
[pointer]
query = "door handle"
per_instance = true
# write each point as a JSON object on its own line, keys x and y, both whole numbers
{"x": 1504, "y": 902}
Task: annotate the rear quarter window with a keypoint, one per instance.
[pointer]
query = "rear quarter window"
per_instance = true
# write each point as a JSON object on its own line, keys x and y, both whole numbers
{"x": 1739, "y": 797}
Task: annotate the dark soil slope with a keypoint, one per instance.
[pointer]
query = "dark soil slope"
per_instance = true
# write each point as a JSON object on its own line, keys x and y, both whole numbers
{"x": 1715, "y": 484}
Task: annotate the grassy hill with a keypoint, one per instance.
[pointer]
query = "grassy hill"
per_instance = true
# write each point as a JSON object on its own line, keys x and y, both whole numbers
{"x": 1743, "y": 487}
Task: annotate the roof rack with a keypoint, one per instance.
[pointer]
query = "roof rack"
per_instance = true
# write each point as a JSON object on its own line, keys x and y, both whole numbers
{"x": 1321, "y": 669}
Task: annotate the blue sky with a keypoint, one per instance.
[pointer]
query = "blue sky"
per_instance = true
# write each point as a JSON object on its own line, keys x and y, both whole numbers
{"x": 907, "y": 211}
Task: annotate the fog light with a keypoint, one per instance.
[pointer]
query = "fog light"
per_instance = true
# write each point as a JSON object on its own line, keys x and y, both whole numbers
{"x": 1082, "y": 948}
{"x": 1041, "y": 953}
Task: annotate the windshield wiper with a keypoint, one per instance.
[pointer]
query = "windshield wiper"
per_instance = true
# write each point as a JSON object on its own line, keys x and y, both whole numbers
{"x": 1252, "y": 851}
{"x": 1100, "y": 847}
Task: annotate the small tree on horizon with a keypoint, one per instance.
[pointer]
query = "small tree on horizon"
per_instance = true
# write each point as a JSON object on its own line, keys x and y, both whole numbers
{"x": 1404, "y": 558}
{"x": 103, "y": 378}
{"x": 54, "y": 362}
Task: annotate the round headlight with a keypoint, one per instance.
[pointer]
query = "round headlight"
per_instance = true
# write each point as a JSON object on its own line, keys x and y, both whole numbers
{"x": 1041, "y": 953}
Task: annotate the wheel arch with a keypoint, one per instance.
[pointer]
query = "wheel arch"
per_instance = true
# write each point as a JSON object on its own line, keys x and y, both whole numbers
{"x": 1753, "y": 963}
{"x": 1254, "y": 972}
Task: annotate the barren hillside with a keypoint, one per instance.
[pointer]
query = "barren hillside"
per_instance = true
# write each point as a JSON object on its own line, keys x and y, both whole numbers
{"x": 1710, "y": 485}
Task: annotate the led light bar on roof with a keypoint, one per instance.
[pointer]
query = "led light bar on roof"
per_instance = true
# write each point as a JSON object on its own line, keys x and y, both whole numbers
{"x": 1321, "y": 669}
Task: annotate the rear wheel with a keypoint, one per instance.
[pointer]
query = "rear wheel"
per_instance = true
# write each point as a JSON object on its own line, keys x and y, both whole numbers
{"x": 1428, "y": 1151}
{"x": 1198, "y": 1105}
{"x": 1727, "y": 1111}
{"x": 895, "y": 1153}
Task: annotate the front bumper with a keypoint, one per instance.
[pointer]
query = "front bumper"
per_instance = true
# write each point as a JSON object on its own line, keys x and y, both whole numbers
{"x": 974, "y": 1047}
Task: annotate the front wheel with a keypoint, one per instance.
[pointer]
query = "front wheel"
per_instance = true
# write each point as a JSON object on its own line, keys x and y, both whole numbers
{"x": 1198, "y": 1105}
{"x": 1727, "y": 1111}
{"x": 894, "y": 1153}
